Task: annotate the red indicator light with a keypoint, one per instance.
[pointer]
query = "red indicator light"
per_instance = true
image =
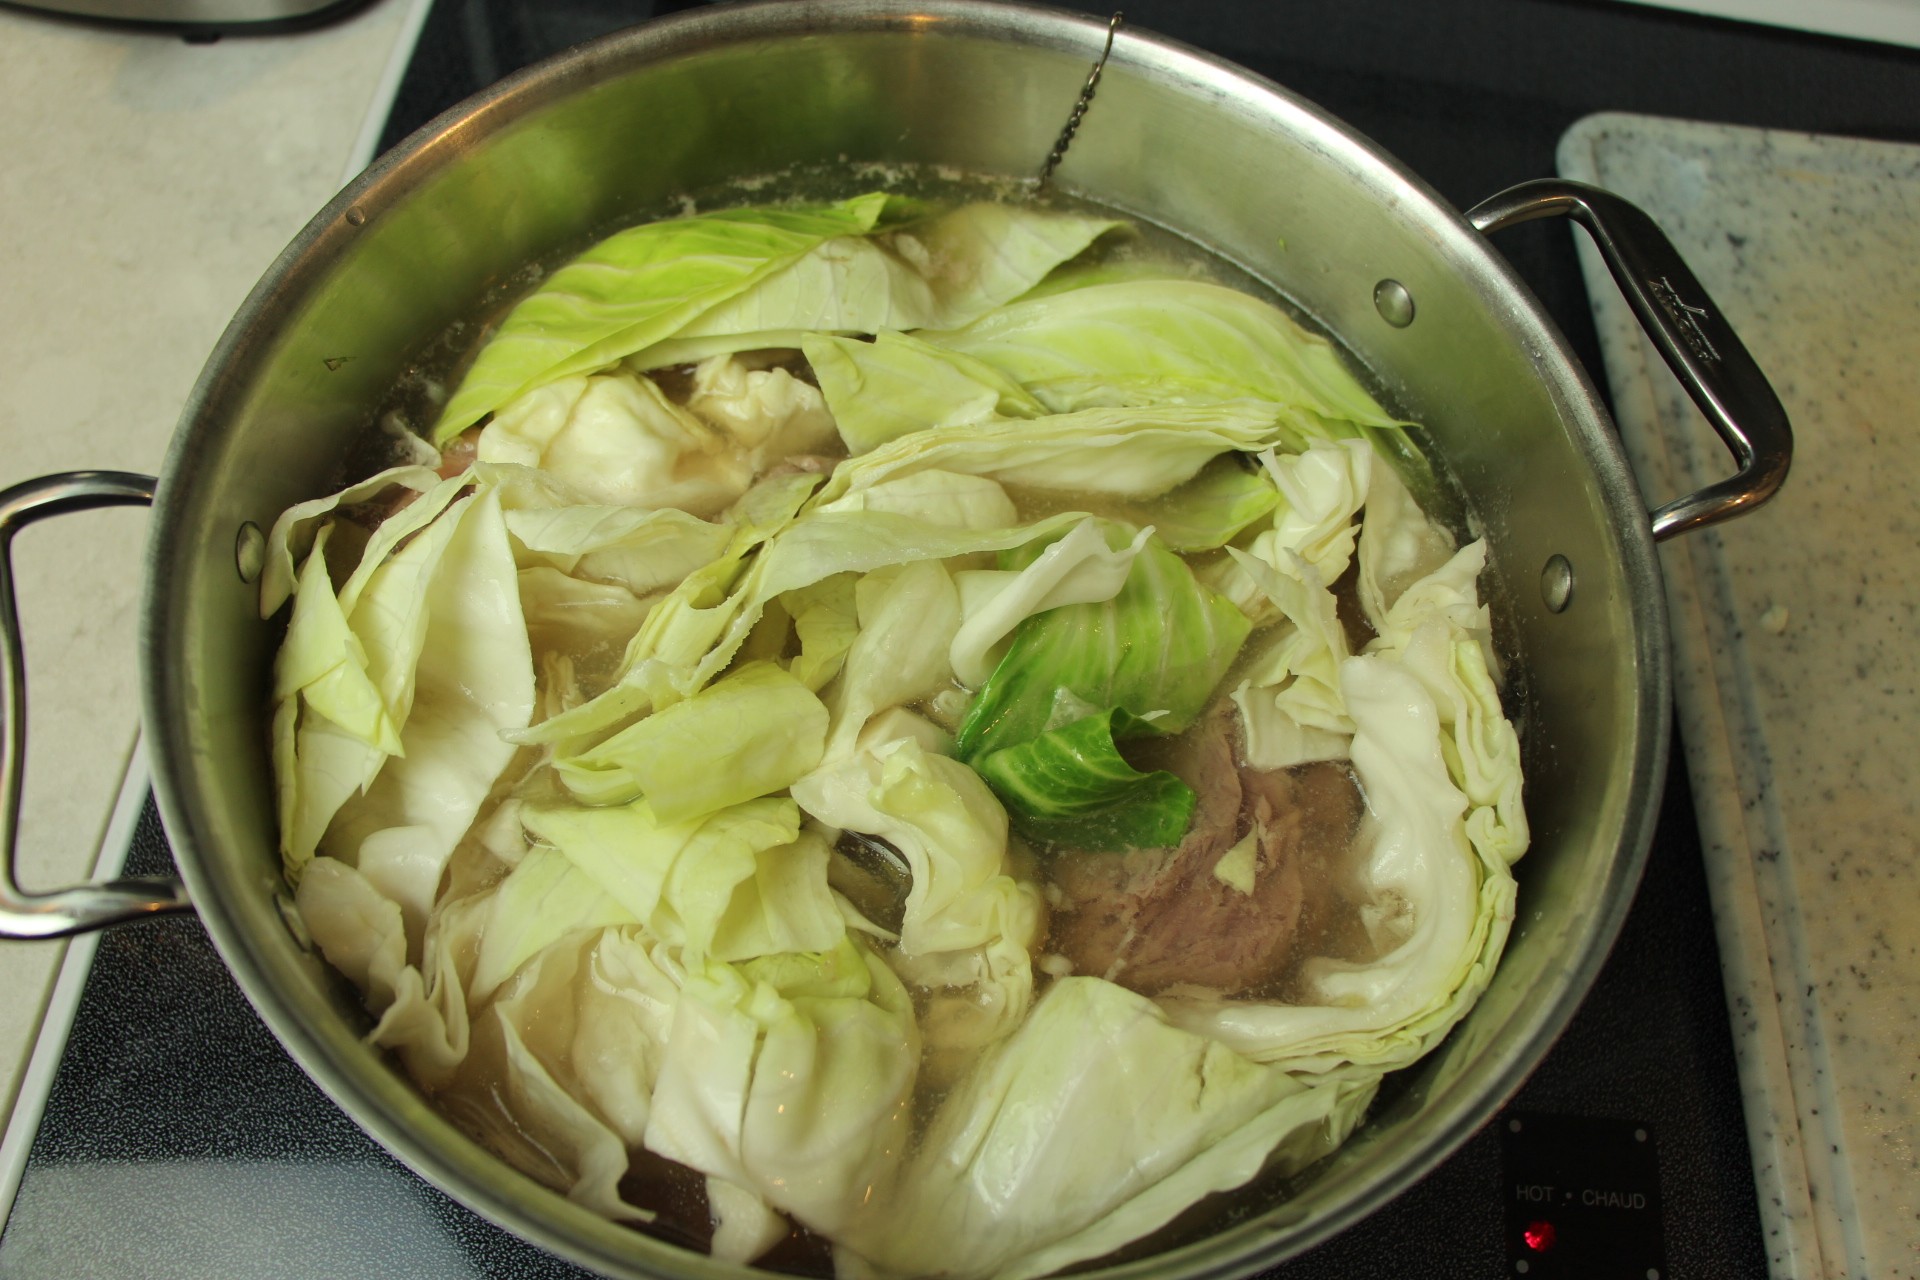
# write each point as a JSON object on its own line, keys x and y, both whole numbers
{"x": 1539, "y": 1236}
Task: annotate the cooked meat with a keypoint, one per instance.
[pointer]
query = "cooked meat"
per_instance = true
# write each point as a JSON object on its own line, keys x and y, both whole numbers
{"x": 1150, "y": 919}
{"x": 460, "y": 453}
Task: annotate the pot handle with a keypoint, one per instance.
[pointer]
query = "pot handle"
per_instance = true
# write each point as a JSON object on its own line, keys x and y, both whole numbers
{"x": 1684, "y": 323}
{"x": 89, "y": 906}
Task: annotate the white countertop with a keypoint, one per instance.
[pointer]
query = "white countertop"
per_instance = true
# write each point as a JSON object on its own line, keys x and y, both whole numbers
{"x": 149, "y": 184}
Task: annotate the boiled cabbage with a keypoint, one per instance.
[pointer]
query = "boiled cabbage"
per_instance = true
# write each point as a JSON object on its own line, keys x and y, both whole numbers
{"x": 692, "y": 773}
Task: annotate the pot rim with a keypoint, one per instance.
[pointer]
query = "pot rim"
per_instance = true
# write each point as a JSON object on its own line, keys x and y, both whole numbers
{"x": 385, "y": 1104}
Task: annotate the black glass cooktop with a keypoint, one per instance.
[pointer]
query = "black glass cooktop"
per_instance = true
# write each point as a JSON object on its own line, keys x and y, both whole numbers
{"x": 179, "y": 1140}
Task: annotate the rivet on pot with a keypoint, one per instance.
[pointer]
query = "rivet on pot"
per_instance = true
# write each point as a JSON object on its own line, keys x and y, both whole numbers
{"x": 250, "y": 551}
{"x": 1394, "y": 303}
{"x": 356, "y": 216}
{"x": 1556, "y": 583}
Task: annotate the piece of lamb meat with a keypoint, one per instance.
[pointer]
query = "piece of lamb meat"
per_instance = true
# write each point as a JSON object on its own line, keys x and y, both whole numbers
{"x": 1150, "y": 919}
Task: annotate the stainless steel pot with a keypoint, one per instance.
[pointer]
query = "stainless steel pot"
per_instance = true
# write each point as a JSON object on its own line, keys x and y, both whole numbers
{"x": 616, "y": 131}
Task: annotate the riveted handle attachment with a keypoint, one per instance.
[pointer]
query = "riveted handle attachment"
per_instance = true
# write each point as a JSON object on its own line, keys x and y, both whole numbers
{"x": 1684, "y": 323}
{"x": 83, "y": 907}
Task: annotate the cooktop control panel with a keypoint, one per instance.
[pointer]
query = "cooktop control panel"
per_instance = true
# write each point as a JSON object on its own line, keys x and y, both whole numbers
{"x": 1582, "y": 1198}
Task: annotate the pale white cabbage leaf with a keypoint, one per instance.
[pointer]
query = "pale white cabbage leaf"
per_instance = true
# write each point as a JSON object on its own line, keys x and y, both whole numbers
{"x": 969, "y": 925}
{"x": 790, "y": 1076}
{"x": 474, "y": 680}
{"x": 293, "y": 533}
{"x": 1095, "y": 1123}
{"x": 617, "y": 440}
{"x": 767, "y": 414}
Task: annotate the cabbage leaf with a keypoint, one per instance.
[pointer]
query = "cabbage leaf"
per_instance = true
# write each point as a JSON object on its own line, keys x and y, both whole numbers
{"x": 767, "y": 414}
{"x": 1156, "y": 649}
{"x": 897, "y": 384}
{"x": 747, "y": 734}
{"x": 734, "y": 885}
{"x": 939, "y": 272}
{"x": 1077, "y": 569}
{"x": 907, "y": 617}
{"x": 989, "y": 1196}
{"x": 1291, "y": 708}
{"x": 637, "y": 287}
{"x": 790, "y": 1076}
{"x": 1128, "y": 452}
{"x": 946, "y": 499}
{"x": 642, "y": 550}
{"x": 1070, "y": 786}
{"x": 663, "y": 661}
{"x": 615, "y": 439}
{"x": 1140, "y": 342}
{"x": 362, "y": 934}
{"x": 293, "y": 533}
{"x": 473, "y": 680}
{"x": 536, "y": 1018}
{"x": 544, "y": 899}
{"x": 969, "y": 925}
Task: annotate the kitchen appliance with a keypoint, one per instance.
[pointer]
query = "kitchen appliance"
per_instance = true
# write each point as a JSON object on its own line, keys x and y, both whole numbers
{"x": 1631, "y": 935}
{"x": 200, "y": 19}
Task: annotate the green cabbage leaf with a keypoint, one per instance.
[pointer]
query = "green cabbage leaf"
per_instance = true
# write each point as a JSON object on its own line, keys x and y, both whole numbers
{"x": 542, "y": 900}
{"x": 747, "y": 734}
{"x": 1137, "y": 342}
{"x": 616, "y": 440}
{"x": 636, "y": 288}
{"x": 662, "y": 663}
{"x": 898, "y": 384}
{"x": 940, "y": 272}
{"x": 470, "y": 678}
{"x": 1042, "y": 727}
{"x": 1080, "y": 568}
{"x": 536, "y": 1018}
{"x": 1071, "y": 786}
{"x": 642, "y": 550}
{"x": 421, "y": 1009}
{"x": 1156, "y": 649}
{"x": 1291, "y": 707}
{"x": 1209, "y": 510}
{"x": 945, "y": 499}
{"x": 1439, "y": 631}
{"x": 293, "y": 533}
{"x": 907, "y": 617}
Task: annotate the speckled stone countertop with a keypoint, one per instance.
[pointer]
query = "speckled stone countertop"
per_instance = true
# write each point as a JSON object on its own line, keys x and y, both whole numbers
{"x": 1797, "y": 667}
{"x": 149, "y": 183}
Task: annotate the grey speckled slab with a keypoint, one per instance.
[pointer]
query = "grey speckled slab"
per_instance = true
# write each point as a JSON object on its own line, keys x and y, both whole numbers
{"x": 1797, "y": 647}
